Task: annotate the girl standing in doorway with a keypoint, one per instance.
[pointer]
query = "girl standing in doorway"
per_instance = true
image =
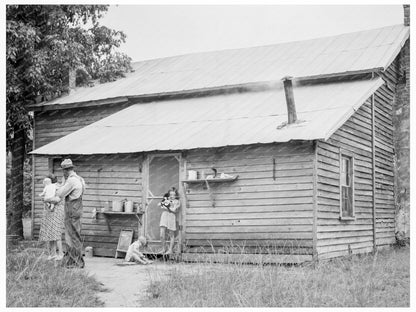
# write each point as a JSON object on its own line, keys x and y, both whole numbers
{"x": 170, "y": 205}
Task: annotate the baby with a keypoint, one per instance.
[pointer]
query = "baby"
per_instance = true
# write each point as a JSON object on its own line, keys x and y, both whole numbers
{"x": 165, "y": 203}
{"x": 48, "y": 192}
{"x": 134, "y": 254}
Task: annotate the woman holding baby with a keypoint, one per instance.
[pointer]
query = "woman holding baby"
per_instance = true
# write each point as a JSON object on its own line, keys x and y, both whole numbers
{"x": 52, "y": 224}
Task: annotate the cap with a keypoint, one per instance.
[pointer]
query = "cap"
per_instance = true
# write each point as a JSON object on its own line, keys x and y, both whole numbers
{"x": 66, "y": 164}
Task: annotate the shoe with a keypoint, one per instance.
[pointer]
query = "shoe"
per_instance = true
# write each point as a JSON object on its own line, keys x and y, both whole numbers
{"x": 75, "y": 266}
{"x": 72, "y": 266}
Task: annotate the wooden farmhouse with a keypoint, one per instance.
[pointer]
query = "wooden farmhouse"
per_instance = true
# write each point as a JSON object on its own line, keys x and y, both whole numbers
{"x": 300, "y": 135}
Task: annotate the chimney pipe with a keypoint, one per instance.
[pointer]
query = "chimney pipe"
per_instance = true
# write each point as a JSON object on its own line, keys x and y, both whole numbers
{"x": 406, "y": 11}
{"x": 72, "y": 80}
{"x": 290, "y": 100}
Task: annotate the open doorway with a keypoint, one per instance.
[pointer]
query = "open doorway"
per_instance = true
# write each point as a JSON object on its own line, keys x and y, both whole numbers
{"x": 163, "y": 173}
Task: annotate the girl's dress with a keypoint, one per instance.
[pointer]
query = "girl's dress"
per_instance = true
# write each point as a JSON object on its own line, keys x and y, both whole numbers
{"x": 168, "y": 219}
{"x": 52, "y": 224}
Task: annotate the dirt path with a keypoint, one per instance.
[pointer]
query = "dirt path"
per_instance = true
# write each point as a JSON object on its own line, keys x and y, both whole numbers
{"x": 126, "y": 284}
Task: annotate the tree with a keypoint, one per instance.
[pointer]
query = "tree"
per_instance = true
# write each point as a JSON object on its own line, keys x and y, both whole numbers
{"x": 44, "y": 43}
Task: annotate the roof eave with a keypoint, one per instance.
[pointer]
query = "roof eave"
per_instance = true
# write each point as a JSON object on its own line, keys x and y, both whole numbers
{"x": 252, "y": 86}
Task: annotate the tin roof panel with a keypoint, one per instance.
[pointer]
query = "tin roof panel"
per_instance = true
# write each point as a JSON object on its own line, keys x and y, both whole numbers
{"x": 219, "y": 120}
{"x": 365, "y": 50}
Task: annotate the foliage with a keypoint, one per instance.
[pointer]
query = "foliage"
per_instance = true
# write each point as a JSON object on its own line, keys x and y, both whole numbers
{"x": 382, "y": 280}
{"x": 44, "y": 42}
{"x": 33, "y": 281}
{"x": 27, "y": 185}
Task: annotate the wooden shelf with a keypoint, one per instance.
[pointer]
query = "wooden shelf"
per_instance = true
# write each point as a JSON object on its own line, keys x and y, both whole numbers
{"x": 207, "y": 183}
{"x": 120, "y": 213}
{"x": 108, "y": 214}
{"x": 214, "y": 180}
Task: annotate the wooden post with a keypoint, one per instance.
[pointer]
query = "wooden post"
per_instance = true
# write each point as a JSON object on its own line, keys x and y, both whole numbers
{"x": 290, "y": 99}
{"x": 406, "y": 11}
{"x": 50, "y": 165}
{"x": 182, "y": 214}
{"x": 32, "y": 215}
{"x": 315, "y": 202}
{"x": 145, "y": 186}
{"x": 373, "y": 147}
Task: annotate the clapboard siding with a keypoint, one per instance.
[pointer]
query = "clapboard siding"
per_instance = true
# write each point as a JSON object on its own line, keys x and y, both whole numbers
{"x": 356, "y": 136}
{"x": 384, "y": 159}
{"x": 334, "y": 236}
{"x": 109, "y": 177}
{"x": 52, "y": 125}
{"x": 256, "y": 209}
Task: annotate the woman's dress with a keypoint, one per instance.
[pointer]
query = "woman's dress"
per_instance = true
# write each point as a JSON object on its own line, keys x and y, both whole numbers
{"x": 52, "y": 224}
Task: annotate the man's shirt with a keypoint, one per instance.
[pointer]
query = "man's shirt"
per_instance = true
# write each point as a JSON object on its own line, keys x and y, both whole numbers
{"x": 73, "y": 188}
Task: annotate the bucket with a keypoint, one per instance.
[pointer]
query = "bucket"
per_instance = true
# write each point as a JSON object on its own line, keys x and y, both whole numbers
{"x": 136, "y": 206}
{"x": 27, "y": 228}
{"x": 128, "y": 206}
{"x": 192, "y": 174}
{"x": 107, "y": 205}
{"x": 89, "y": 252}
{"x": 117, "y": 206}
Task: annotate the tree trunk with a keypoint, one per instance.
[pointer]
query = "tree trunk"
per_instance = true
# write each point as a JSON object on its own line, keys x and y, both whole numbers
{"x": 14, "y": 214}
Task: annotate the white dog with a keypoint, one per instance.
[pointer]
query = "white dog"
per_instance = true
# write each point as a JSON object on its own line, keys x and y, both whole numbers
{"x": 134, "y": 254}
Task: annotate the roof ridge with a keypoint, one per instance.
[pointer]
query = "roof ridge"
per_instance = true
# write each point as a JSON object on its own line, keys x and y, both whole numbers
{"x": 265, "y": 45}
{"x": 330, "y": 57}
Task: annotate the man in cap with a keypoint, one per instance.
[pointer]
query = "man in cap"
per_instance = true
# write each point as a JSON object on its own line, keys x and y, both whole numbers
{"x": 72, "y": 191}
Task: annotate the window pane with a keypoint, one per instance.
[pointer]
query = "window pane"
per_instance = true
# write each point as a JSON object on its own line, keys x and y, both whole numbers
{"x": 345, "y": 171}
{"x": 346, "y": 201}
{"x": 343, "y": 178}
{"x": 350, "y": 212}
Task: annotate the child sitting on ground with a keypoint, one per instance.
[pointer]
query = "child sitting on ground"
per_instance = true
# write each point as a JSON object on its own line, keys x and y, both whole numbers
{"x": 134, "y": 254}
{"x": 48, "y": 192}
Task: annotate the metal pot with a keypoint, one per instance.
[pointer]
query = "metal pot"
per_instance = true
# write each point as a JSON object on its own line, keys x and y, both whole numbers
{"x": 192, "y": 174}
{"x": 128, "y": 206}
{"x": 117, "y": 206}
{"x": 107, "y": 205}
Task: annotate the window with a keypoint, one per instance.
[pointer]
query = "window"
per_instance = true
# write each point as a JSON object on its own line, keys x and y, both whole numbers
{"x": 346, "y": 187}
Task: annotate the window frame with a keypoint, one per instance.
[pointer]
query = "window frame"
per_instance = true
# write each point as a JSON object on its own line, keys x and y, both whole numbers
{"x": 350, "y": 156}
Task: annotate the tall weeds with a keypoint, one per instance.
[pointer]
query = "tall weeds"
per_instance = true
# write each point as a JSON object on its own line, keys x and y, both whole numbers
{"x": 358, "y": 281}
{"x": 32, "y": 281}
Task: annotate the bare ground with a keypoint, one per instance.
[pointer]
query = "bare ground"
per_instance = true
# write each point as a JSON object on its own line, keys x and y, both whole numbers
{"x": 126, "y": 284}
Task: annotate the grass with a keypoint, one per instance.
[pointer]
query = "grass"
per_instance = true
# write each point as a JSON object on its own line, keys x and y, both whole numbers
{"x": 381, "y": 280}
{"x": 32, "y": 281}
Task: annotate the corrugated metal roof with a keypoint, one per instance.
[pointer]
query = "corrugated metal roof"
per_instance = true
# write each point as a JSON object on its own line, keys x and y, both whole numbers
{"x": 220, "y": 120}
{"x": 358, "y": 51}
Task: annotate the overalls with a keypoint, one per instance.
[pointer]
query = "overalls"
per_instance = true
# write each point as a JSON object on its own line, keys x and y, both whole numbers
{"x": 73, "y": 213}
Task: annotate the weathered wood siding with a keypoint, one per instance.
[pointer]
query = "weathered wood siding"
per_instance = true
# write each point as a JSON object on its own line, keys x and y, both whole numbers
{"x": 335, "y": 236}
{"x": 256, "y": 212}
{"x": 384, "y": 134}
{"x": 50, "y": 126}
{"x": 108, "y": 177}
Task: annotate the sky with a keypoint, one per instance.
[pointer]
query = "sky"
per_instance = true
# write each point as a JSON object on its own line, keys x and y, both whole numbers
{"x": 155, "y": 31}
